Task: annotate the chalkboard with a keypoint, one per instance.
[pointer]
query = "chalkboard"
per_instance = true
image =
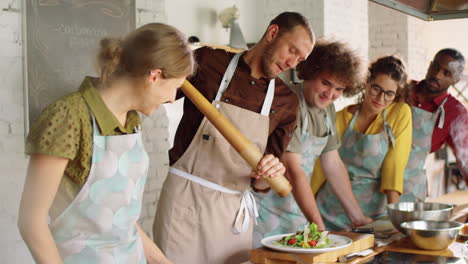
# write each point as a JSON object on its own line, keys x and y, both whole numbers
{"x": 62, "y": 40}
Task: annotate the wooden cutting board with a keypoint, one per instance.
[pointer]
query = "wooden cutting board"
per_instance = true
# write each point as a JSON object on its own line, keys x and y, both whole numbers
{"x": 267, "y": 256}
{"x": 405, "y": 245}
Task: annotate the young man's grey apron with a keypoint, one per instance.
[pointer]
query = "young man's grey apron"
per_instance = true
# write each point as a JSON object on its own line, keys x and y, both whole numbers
{"x": 280, "y": 215}
{"x": 206, "y": 207}
{"x": 415, "y": 183}
{"x": 363, "y": 156}
{"x": 99, "y": 226}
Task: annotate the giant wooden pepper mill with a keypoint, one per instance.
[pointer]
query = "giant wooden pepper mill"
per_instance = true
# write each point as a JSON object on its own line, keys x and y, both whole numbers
{"x": 247, "y": 150}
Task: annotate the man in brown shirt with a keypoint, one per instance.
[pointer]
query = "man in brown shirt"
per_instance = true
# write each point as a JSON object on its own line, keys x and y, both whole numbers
{"x": 245, "y": 90}
{"x": 207, "y": 180}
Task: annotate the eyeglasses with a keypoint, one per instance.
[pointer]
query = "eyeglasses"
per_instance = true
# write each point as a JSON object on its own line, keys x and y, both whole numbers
{"x": 377, "y": 91}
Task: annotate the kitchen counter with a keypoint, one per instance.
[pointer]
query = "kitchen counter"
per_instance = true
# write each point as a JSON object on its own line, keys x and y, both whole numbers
{"x": 457, "y": 198}
{"x": 405, "y": 245}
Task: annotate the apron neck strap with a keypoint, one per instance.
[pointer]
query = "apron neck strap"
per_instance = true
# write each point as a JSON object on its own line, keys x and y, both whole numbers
{"x": 441, "y": 111}
{"x": 386, "y": 127}
{"x": 305, "y": 120}
{"x": 227, "y": 77}
{"x": 353, "y": 120}
{"x": 268, "y": 98}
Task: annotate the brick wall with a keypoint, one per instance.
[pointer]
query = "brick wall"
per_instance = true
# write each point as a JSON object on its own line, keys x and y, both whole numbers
{"x": 417, "y": 48}
{"x": 155, "y": 129}
{"x": 387, "y": 32}
{"x": 394, "y": 33}
{"x": 347, "y": 21}
{"x": 13, "y": 162}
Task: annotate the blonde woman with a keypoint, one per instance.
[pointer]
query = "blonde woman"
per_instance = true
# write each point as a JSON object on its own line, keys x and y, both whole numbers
{"x": 88, "y": 166}
{"x": 376, "y": 143}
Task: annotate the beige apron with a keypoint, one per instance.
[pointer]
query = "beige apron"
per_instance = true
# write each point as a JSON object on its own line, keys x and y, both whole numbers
{"x": 208, "y": 188}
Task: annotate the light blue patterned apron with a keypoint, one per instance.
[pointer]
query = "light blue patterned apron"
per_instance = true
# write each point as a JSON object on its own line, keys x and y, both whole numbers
{"x": 99, "y": 226}
{"x": 280, "y": 215}
{"x": 363, "y": 155}
{"x": 415, "y": 181}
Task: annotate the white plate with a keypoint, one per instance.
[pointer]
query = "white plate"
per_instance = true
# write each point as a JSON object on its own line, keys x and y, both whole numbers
{"x": 336, "y": 242}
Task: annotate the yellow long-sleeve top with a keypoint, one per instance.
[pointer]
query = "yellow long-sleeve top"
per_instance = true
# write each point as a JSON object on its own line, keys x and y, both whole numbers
{"x": 398, "y": 116}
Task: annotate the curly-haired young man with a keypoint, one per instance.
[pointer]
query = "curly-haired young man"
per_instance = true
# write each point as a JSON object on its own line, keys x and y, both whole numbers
{"x": 331, "y": 70}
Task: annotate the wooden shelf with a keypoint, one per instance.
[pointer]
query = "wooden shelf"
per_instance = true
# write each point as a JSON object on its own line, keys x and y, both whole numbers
{"x": 227, "y": 48}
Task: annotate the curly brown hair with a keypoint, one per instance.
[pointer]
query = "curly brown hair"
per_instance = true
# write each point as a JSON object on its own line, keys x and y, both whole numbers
{"x": 395, "y": 69}
{"x": 337, "y": 59}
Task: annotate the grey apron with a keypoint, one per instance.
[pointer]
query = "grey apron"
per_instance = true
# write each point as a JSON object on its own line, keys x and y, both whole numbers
{"x": 415, "y": 181}
{"x": 280, "y": 215}
{"x": 363, "y": 155}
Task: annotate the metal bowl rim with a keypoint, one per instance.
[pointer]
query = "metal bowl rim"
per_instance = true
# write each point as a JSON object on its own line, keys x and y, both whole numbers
{"x": 460, "y": 225}
{"x": 450, "y": 207}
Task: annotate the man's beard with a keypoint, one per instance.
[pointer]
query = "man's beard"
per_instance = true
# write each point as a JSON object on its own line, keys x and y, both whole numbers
{"x": 431, "y": 90}
{"x": 267, "y": 61}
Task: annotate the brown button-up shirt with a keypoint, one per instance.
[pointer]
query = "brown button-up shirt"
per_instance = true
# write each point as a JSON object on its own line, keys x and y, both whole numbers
{"x": 244, "y": 91}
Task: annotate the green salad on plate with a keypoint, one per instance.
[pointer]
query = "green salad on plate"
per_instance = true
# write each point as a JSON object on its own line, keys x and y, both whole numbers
{"x": 311, "y": 237}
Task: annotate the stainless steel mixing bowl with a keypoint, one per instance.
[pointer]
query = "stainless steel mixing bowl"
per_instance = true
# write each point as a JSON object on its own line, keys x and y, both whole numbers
{"x": 432, "y": 235}
{"x": 408, "y": 211}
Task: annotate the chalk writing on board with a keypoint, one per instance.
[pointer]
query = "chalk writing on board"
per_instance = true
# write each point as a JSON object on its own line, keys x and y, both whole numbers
{"x": 79, "y": 36}
{"x": 62, "y": 42}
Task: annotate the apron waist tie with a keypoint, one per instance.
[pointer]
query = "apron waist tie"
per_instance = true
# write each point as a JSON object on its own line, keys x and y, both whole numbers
{"x": 247, "y": 208}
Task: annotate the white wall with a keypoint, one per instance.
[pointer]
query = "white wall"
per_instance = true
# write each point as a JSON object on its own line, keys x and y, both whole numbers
{"x": 12, "y": 160}
{"x": 446, "y": 34}
{"x": 387, "y": 32}
{"x": 347, "y": 21}
{"x": 394, "y": 33}
{"x": 200, "y": 18}
{"x": 414, "y": 40}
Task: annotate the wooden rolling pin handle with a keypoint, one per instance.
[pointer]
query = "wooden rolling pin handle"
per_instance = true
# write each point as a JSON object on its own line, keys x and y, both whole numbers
{"x": 279, "y": 184}
{"x": 247, "y": 150}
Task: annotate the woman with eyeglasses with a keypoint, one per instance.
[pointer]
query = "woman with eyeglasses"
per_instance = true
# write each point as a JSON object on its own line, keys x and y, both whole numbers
{"x": 376, "y": 141}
